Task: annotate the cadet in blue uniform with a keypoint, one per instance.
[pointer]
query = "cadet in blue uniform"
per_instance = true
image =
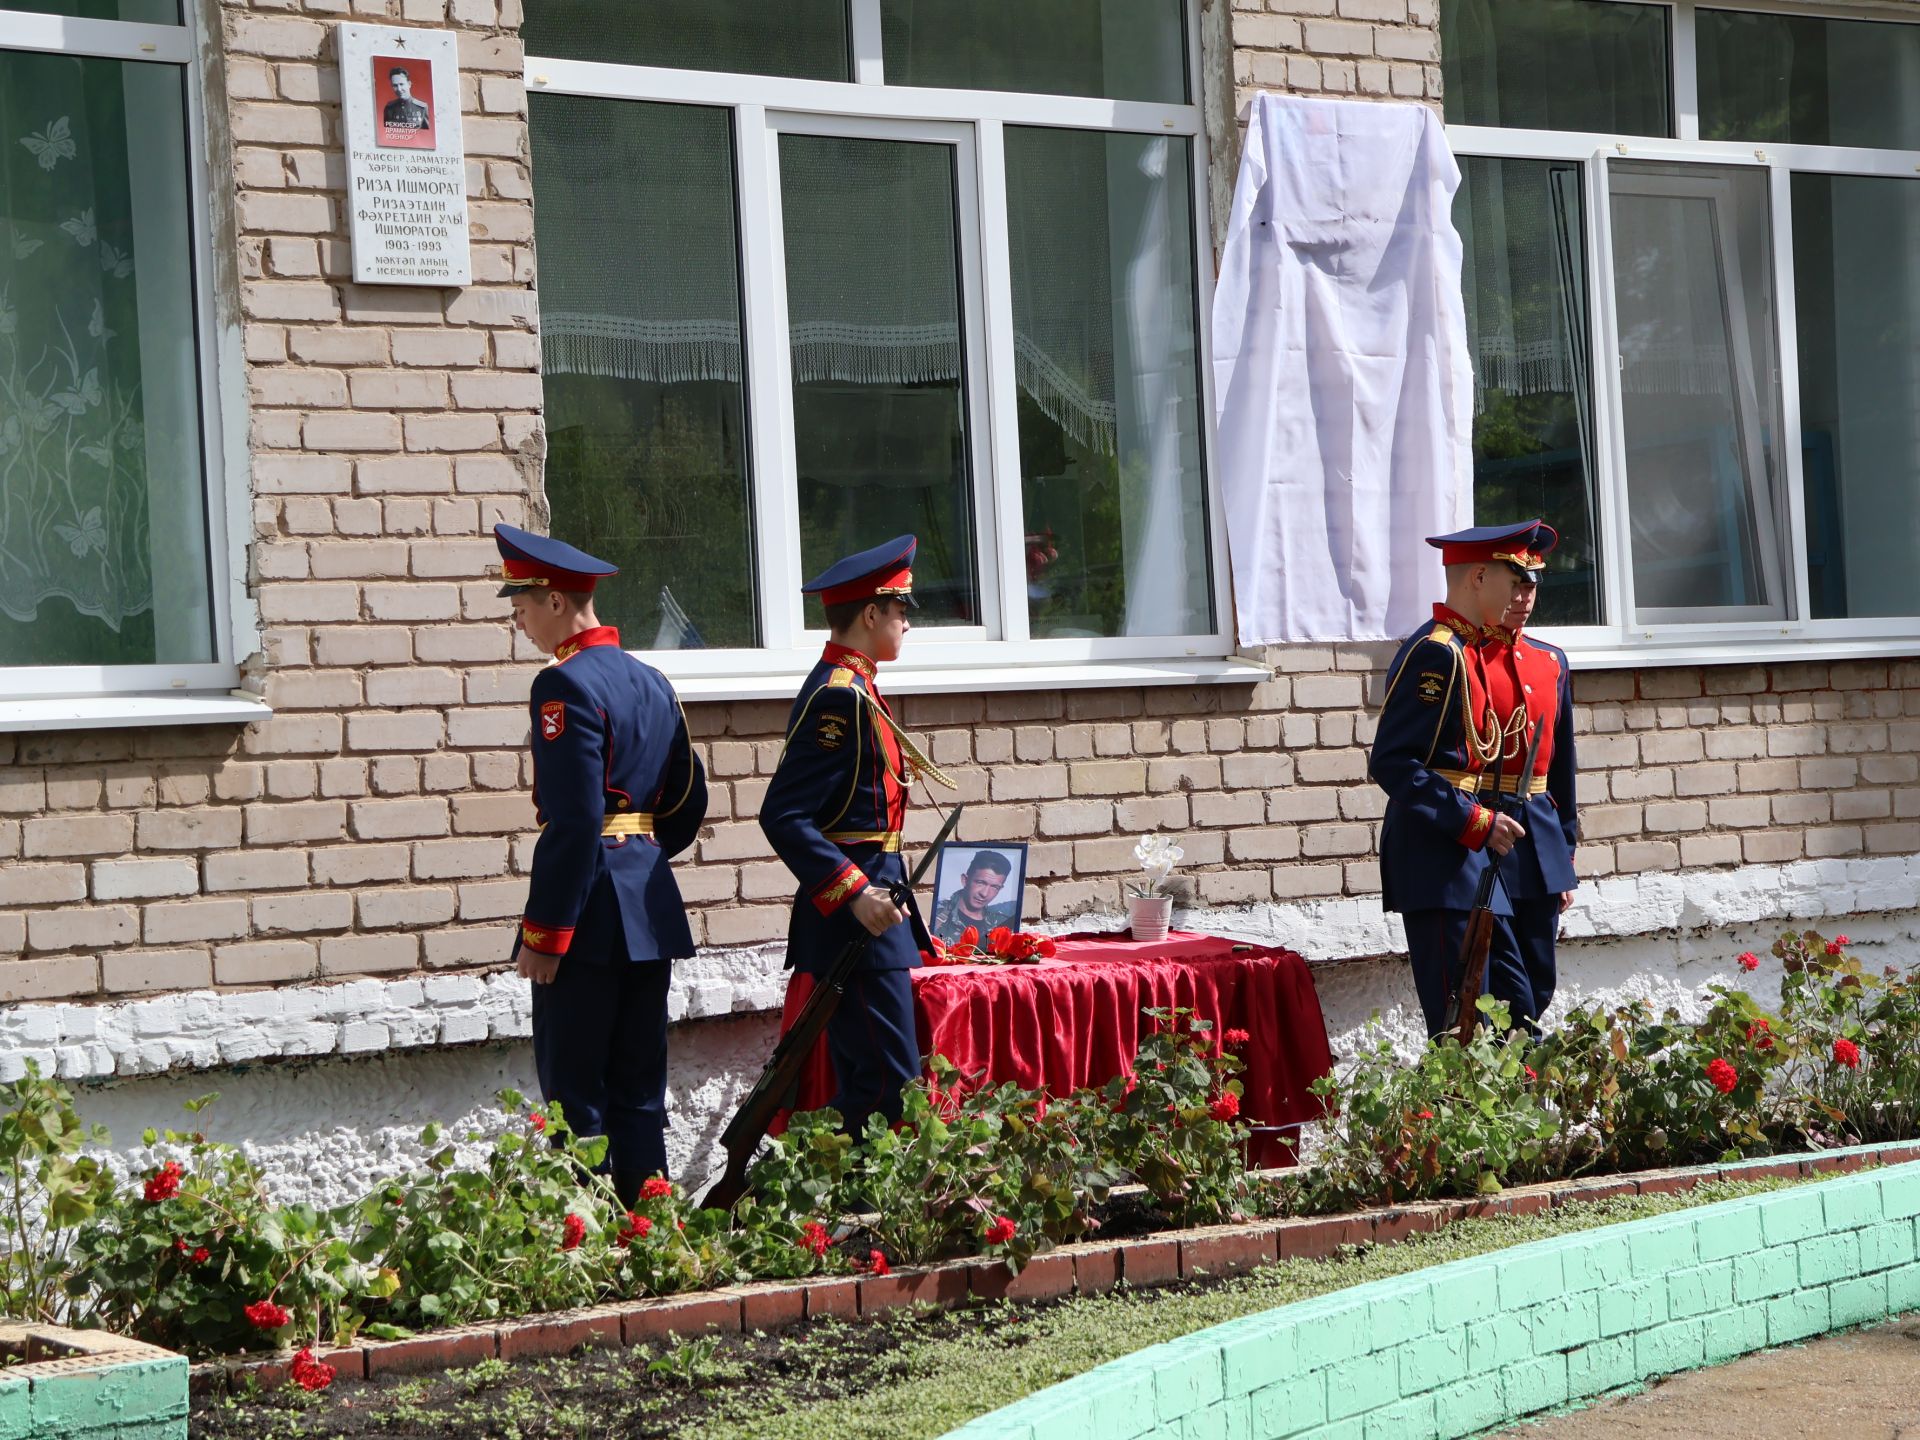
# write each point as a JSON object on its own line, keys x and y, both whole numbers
{"x": 834, "y": 812}
{"x": 1464, "y": 689}
{"x": 618, "y": 790}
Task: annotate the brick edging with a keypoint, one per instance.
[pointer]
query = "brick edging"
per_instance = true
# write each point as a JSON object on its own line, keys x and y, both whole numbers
{"x": 1088, "y": 1268}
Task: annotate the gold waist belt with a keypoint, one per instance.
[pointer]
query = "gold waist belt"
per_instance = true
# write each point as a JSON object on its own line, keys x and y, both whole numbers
{"x": 1481, "y": 782}
{"x": 636, "y": 824}
{"x": 888, "y": 840}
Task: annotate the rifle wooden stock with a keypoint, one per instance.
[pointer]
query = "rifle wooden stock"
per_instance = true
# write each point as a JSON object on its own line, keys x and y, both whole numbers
{"x": 779, "y": 1083}
{"x": 1473, "y": 973}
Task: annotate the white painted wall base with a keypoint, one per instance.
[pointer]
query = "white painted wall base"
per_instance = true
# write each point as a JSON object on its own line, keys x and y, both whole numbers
{"x": 355, "y": 1070}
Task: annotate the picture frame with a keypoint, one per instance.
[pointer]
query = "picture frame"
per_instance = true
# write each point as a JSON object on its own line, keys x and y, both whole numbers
{"x": 964, "y": 893}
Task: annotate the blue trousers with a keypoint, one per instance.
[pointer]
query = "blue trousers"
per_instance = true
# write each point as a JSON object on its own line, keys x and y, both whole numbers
{"x": 1520, "y": 964}
{"x": 875, "y": 1047}
{"x": 600, "y": 1041}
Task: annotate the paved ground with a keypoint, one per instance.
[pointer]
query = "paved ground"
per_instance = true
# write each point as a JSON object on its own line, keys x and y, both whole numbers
{"x": 1864, "y": 1386}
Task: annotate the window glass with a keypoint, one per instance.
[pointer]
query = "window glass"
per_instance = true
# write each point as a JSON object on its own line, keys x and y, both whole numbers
{"x": 802, "y": 38}
{"x": 1101, "y": 231}
{"x": 643, "y": 358}
{"x": 143, "y": 12}
{"x": 1804, "y": 80}
{"x": 1856, "y": 262}
{"x": 1592, "y": 65}
{"x": 1522, "y": 224}
{"x": 103, "y": 531}
{"x": 1693, "y": 261}
{"x": 879, "y": 394}
{"x": 1120, "y": 49}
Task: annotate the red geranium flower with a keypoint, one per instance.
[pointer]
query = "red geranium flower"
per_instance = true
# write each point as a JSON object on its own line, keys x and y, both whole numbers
{"x": 1001, "y": 1231}
{"x": 814, "y": 1238}
{"x": 635, "y": 1227}
{"x": 179, "y": 1244}
{"x": 266, "y": 1315}
{"x": 201, "y": 1255}
{"x": 1748, "y": 961}
{"x": 1531, "y": 1073}
{"x": 573, "y": 1230}
{"x": 1760, "y": 1033}
{"x": 879, "y": 1265}
{"x": 538, "y": 1122}
{"x": 1224, "y": 1106}
{"x": 1846, "y": 1053}
{"x": 1723, "y": 1075}
{"x": 1834, "y": 945}
{"x": 309, "y": 1373}
{"x": 164, "y": 1183}
{"x": 656, "y": 1189}
{"x": 1424, "y": 1115}
{"x": 1234, "y": 1039}
{"x": 1841, "y": 940}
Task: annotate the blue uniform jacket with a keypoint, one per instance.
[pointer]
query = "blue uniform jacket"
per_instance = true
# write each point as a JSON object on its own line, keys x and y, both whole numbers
{"x": 834, "y": 812}
{"x": 1432, "y": 755}
{"x": 618, "y": 790}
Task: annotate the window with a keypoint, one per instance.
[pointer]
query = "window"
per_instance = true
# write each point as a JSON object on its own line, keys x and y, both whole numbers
{"x": 1723, "y": 205}
{"x": 812, "y": 276}
{"x": 110, "y": 544}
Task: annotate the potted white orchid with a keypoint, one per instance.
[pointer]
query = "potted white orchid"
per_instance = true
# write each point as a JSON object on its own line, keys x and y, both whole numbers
{"x": 1149, "y": 907}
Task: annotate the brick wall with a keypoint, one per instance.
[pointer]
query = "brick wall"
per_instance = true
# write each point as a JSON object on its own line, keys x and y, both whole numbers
{"x": 1370, "y": 49}
{"x": 378, "y": 824}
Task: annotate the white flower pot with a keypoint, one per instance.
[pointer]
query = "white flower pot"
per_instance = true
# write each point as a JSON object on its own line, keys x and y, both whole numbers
{"x": 1150, "y": 915}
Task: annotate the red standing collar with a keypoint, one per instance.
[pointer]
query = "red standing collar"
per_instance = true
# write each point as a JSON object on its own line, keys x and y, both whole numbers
{"x": 586, "y": 639}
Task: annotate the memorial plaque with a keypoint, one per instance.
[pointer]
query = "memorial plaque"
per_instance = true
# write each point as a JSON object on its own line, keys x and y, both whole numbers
{"x": 406, "y": 162}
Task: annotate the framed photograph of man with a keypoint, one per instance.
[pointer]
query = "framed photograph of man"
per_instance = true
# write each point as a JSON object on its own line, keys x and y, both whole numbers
{"x": 403, "y": 99}
{"x": 978, "y": 885}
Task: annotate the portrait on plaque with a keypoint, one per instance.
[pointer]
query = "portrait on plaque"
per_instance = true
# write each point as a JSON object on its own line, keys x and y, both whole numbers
{"x": 403, "y": 95}
{"x": 978, "y": 885}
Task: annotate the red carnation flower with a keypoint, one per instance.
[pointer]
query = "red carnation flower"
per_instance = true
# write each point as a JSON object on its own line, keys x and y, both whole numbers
{"x": 1748, "y": 961}
{"x": 538, "y": 1122}
{"x": 656, "y": 1189}
{"x": 164, "y": 1183}
{"x": 814, "y": 1238}
{"x": 1224, "y": 1106}
{"x": 1846, "y": 1053}
{"x": 266, "y": 1315}
{"x": 1723, "y": 1075}
{"x": 635, "y": 1227}
{"x": 1001, "y": 1231}
{"x": 309, "y": 1373}
{"x": 573, "y": 1231}
{"x": 1760, "y": 1034}
{"x": 1234, "y": 1039}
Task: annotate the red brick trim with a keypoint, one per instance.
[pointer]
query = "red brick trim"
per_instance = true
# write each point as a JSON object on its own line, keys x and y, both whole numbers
{"x": 1088, "y": 1269}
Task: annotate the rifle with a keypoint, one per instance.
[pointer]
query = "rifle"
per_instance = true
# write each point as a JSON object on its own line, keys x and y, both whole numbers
{"x": 1463, "y": 1009}
{"x": 778, "y": 1084}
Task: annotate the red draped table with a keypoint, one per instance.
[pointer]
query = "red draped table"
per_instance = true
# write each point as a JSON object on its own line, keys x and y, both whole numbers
{"x": 1075, "y": 1020}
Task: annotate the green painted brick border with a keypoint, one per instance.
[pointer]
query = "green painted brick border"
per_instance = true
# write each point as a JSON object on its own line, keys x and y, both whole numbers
{"x": 1453, "y": 1350}
{"x": 89, "y": 1385}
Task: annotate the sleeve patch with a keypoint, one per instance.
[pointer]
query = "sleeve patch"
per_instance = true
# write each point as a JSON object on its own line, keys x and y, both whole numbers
{"x": 1432, "y": 686}
{"x": 553, "y": 719}
{"x": 830, "y": 732}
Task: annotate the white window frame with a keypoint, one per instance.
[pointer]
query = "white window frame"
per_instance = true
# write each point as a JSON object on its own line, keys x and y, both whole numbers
{"x": 1001, "y": 652}
{"x": 88, "y": 696}
{"x": 1621, "y": 640}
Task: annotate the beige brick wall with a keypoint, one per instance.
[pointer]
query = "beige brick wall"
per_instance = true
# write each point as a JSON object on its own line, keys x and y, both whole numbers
{"x": 1370, "y": 49}
{"x": 378, "y": 823}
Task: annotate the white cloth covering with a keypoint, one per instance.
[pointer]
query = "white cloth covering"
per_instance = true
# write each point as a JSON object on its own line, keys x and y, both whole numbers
{"x": 1341, "y": 369}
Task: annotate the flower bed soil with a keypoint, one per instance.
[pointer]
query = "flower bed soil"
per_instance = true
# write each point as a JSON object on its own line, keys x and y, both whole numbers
{"x": 1086, "y": 1269}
